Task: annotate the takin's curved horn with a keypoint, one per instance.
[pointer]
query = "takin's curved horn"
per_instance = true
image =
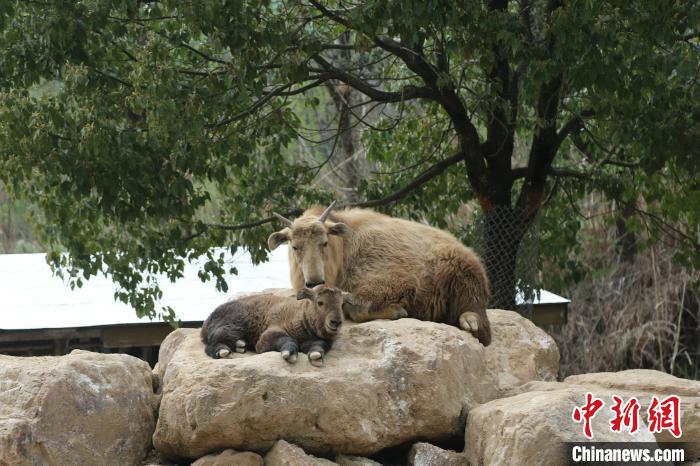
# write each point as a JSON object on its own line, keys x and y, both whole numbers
{"x": 326, "y": 212}
{"x": 282, "y": 219}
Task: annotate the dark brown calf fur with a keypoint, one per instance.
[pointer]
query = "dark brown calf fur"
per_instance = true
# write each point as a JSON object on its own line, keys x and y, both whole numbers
{"x": 271, "y": 322}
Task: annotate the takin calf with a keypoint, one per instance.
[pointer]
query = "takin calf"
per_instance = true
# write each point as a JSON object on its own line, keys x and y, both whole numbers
{"x": 271, "y": 322}
{"x": 392, "y": 267}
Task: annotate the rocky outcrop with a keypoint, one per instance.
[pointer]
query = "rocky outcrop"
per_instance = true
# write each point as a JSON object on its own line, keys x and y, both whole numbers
{"x": 348, "y": 460}
{"x": 230, "y": 458}
{"x": 83, "y": 408}
{"x": 384, "y": 383}
{"x": 521, "y": 351}
{"x": 425, "y": 454}
{"x": 286, "y": 454}
{"x": 529, "y": 428}
{"x": 639, "y": 381}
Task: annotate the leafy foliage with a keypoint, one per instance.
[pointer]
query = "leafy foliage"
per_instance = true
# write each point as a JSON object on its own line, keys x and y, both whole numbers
{"x": 123, "y": 120}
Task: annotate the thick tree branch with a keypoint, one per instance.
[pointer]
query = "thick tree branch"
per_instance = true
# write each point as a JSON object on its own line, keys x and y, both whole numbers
{"x": 544, "y": 143}
{"x": 413, "y": 60}
{"x": 408, "y": 92}
{"x": 250, "y": 110}
{"x": 417, "y": 182}
{"x": 112, "y": 77}
{"x": 572, "y": 126}
{"x": 444, "y": 93}
{"x": 613, "y": 158}
{"x": 282, "y": 90}
{"x": 202, "y": 54}
{"x": 300, "y": 90}
{"x": 544, "y": 146}
{"x": 331, "y": 14}
{"x": 500, "y": 129}
{"x": 414, "y": 184}
{"x": 255, "y": 223}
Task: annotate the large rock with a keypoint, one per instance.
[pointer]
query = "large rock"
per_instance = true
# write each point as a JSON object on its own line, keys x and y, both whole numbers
{"x": 286, "y": 454}
{"x": 530, "y": 428}
{"x": 83, "y": 408}
{"x": 384, "y": 383}
{"x": 168, "y": 347}
{"x": 425, "y": 454}
{"x": 644, "y": 384}
{"x": 639, "y": 381}
{"x": 230, "y": 458}
{"x": 520, "y": 351}
{"x": 348, "y": 460}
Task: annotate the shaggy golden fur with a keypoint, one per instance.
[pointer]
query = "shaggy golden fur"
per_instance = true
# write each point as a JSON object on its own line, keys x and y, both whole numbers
{"x": 389, "y": 265}
{"x": 271, "y": 322}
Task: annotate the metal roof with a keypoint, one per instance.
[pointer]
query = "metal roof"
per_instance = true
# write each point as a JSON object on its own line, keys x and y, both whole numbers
{"x": 541, "y": 297}
{"x": 31, "y": 297}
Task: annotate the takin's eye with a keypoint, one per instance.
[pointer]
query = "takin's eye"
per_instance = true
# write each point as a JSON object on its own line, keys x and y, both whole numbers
{"x": 325, "y": 244}
{"x": 296, "y": 248}
{"x": 320, "y": 303}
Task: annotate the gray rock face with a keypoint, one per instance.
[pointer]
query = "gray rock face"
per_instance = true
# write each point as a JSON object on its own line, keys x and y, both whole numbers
{"x": 286, "y": 454}
{"x": 83, "y": 408}
{"x": 384, "y": 383}
{"x": 230, "y": 458}
{"x": 347, "y": 460}
{"x": 521, "y": 352}
{"x": 425, "y": 454}
{"x": 529, "y": 428}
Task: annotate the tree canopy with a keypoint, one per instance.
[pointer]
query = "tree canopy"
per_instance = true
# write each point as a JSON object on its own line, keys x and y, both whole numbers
{"x": 148, "y": 132}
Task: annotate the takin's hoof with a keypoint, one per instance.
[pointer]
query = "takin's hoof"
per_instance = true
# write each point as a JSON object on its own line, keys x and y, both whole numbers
{"x": 289, "y": 356}
{"x": 469, "y": 321}
{"x": 240, "y": 346}
{"x": 316, "y": 358}
{"x": 223, "y": 353}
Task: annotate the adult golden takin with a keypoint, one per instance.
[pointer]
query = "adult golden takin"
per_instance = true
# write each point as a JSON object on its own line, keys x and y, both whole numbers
{"x": 393, "y": 267}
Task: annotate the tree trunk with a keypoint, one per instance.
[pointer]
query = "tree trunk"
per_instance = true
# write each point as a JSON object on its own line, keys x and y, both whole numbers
{"x": 6, "y": 229}
{"x": 345, "y": 167}
{"x": 689, "y": 336}
{"x": 504, "y": 228}
{"x": 626, "y": 239}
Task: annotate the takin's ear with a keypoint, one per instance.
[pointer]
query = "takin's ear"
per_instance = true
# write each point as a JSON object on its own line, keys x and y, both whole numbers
{"x": 348, "y": 298}
{"x": 277, "y": 238}
{"x": 339, "y": 229}
{"x": 306, "y": 293}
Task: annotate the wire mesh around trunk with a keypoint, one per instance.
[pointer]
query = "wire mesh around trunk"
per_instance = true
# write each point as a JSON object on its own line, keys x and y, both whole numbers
{"x": 508, "y": 245}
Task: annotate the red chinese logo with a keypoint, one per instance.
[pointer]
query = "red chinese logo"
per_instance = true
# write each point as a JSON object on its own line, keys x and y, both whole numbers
{"x": 626, "y": 415}
{"x": 586, "y": 413}
{"x": 665, "y": 415}
{"x": 662, "y": 414}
